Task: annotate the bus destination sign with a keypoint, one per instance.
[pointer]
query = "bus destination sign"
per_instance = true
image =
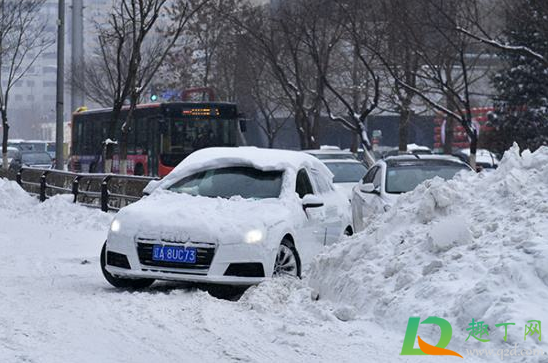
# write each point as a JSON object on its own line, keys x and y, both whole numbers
{"x": 203, "y": 111}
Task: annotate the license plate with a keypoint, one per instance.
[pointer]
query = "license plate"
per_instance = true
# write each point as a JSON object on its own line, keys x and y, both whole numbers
{"x": 174, "y": 254}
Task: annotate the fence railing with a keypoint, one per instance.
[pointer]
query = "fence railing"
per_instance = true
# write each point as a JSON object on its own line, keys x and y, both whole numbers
{"x": 105, "y": 191}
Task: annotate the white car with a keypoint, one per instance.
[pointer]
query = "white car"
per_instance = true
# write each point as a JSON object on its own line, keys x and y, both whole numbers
{"x": 347, "y": 173}
{"x": 227, "y": 216}
{"x": 387, "y": 179}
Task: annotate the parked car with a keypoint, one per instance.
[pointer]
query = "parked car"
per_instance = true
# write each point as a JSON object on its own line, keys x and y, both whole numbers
{"x": 347, "y": 173}
{"x": 388, "y": 178}
{"x": 331, "y": 152}
{"x": 231, "y": 216}
{"x": 485, "y": 159}
{"x": 35, "y": 159}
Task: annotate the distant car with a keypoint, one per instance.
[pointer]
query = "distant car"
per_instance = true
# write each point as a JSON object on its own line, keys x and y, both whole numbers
{"x": 230, "y": 216}
{"x": 389, "y": 178}
{"x": 13, "y": 158}
{"x": 347, "y": 173}
{"x": 412, "y": 149}
{"x": 33, "y": 159}
{"x": 331, "y": 152}
{"x": 485, "y": 159}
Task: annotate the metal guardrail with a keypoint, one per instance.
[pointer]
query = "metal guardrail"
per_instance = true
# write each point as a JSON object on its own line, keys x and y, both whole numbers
{"x": 105, "y": 191}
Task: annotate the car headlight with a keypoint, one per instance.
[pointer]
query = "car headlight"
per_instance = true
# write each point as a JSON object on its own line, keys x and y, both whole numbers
{"x": 254, "y": 236}
{"x": 115, "y": 226}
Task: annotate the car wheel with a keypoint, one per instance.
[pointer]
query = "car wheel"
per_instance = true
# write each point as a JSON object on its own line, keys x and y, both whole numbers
{"x": 287, "y": 261}
{"x": 132, "y": 284}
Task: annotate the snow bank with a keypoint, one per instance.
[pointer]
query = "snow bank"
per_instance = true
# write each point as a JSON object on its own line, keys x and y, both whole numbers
{"x": 473, "y": 247}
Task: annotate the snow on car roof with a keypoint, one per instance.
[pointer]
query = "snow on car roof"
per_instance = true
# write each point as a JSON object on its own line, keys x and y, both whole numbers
{"x": 326, "y": 151}
{"x": 346, "y": 161}
{"x": 262, "y": 159}
{"x": 393, "y": 160}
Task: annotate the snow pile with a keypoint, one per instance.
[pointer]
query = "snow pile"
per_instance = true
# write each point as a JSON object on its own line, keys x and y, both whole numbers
{"x": 13, "y": 198}
{"x": 58, "y": 210}
{"x": 475, "y": 247}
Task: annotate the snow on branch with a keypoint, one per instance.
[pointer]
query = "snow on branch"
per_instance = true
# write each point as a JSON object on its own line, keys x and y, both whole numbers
{"x": 508, "y": 47}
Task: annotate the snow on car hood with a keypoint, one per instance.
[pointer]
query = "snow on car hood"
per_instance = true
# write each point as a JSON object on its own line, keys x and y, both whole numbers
{"x": 182, "y": 217}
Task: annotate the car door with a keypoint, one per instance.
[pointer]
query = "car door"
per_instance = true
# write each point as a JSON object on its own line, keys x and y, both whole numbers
{"x": 312, "y": 231}
{"x": 334, "y": 203}
{"x": 366, "y": 205}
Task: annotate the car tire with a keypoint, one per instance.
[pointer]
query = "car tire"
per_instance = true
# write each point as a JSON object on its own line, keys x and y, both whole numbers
{"x": 287, "y": 262}
{"x": 121, "y": 283}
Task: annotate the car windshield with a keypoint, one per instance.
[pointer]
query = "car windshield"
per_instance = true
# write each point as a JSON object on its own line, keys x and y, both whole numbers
{"x": 347, "y": 172}
{"x": 32, "y": 146}
{"x": 36, "y": 158}
{"x": 402, "y": 179}
{"x": 247, "y": 182}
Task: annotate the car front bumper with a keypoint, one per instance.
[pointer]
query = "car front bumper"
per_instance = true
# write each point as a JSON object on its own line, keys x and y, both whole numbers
{"x": 223, "y": 257}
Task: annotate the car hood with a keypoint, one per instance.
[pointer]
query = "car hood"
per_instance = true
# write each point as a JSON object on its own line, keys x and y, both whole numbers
{"x": 179, "y": 217}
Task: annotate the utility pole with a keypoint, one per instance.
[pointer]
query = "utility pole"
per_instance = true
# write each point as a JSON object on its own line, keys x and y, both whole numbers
{"x": 77, "y": 55}
{"x": 59, "y": 109}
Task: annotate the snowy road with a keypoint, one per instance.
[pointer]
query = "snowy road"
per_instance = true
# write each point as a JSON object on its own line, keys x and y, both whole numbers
{"x": 56, "y": 307}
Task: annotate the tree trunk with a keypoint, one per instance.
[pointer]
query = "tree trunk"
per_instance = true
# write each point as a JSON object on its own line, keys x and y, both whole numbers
{"x": 125, "y": 135}
{"x": 5, "y": 135}
{"x": 109, "y": 144}
{"x": 300, "y": 124}
{"x": 405, "y": 114}
{"x": 473, "y": 149}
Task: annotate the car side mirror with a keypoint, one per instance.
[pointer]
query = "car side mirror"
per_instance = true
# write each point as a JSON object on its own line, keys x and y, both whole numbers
{"x": 312, "y": 201}
{"x": 151, "y": 186}
{"x": 368, "y": 188}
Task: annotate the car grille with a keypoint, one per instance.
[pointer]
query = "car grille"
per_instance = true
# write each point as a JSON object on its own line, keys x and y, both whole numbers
{"x": 204, "y": 254}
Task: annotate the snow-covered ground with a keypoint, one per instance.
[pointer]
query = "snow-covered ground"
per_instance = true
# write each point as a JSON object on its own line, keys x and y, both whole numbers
{"x": 476, "y": 247}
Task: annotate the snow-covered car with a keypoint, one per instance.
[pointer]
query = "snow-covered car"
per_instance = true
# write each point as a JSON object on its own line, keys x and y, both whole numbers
{"x": 485, "y": 159}
{"x": 347, "y": 173}
{"x": 227, "y": 216}
{"x": 331, "y": 152}
{"x": 413, "y": 149}
{"x": 388, "y": 178}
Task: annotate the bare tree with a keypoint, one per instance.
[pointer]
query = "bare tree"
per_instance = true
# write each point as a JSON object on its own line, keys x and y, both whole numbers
{"x": 350, "y": 22}
{"x": 448, "y": 68}
{"x": 278, "y": 36}
{"x": 475, "y": 26}
{"x": 266, "y": 99}
{"x": 131, "y": 51}
{"x": 22, "y": 41}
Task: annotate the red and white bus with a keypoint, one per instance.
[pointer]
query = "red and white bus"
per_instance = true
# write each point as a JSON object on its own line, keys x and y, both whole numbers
{"x": 161, "y": 135}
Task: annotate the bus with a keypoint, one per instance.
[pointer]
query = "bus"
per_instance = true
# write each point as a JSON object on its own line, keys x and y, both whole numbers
{"x": 160, "y": 137}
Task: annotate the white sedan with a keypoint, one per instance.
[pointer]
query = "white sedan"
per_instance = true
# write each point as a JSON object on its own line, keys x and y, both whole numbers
{"x": 229, "y": 216}
{"x": 388, "y": 178}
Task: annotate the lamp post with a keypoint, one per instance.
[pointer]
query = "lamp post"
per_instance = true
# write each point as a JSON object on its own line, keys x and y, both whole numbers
{"x": 59, "y": 106}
